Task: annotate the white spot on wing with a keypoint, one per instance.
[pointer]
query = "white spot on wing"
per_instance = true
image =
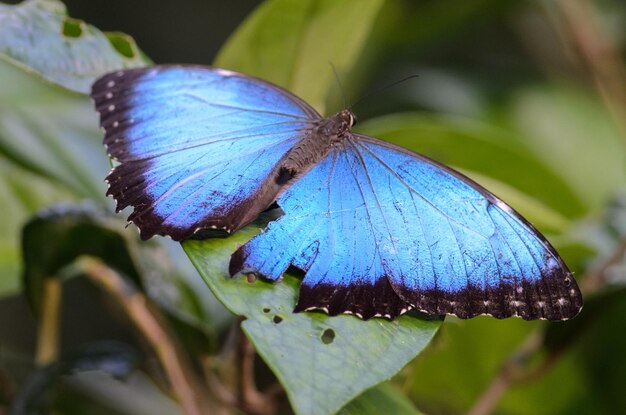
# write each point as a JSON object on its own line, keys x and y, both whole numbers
{"x": 225, "y": 72}
{"x": 503, "y": 206}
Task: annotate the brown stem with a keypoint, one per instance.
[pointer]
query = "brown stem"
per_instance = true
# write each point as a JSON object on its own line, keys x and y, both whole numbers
{"x": 510, "y": 371}
{"x": 513, "y": 371}
{"x": 248, "y": 394}
{"x": 596, "y": 278}
{"x": 152, "y": 325}
{"x": 238, "y": 387}
{"x": 599, "y": 55}
{"x": 48, "y": 330}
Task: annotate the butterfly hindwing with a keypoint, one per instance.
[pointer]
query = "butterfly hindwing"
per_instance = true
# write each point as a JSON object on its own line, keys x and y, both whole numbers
{"x": 378, "y": 230}
{"x": 196, "y": 145}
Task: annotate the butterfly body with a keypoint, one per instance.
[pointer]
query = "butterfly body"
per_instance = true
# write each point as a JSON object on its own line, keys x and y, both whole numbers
{"x": 314, "y": 146}
{"x": 377, "y": 229}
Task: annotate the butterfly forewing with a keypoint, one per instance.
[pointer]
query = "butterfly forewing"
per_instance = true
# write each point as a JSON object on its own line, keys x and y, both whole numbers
{"x": 196, "y": 145}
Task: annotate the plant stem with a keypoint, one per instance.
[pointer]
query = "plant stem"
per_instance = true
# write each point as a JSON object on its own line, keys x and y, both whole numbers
{"x": 513, "y": 371}
{"x": 48, "y": 330}
{"x": 147, "y": 319}
{"x": 599, "y": 54}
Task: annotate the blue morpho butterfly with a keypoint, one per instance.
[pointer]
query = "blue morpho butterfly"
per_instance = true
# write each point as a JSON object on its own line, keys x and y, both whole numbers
{"x": 376, "y": 229}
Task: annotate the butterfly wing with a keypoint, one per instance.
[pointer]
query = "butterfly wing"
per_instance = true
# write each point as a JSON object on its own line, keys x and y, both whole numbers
{"x": 197, "y": 145}
{"x": 379, "y": 229}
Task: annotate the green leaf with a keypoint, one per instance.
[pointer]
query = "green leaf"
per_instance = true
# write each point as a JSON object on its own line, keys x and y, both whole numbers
{"x": 479, "y": 148}
{"x": 97, "y": 393}
{"x": 572, "y": 132}
{"x": 383, "y": 399}
{"x": 85, "y": 229}
{"x": 76, "y": 230}
{"x": 322, "y": 362}
{"x": 51, "y": 132}
{"x": 38, "y": 36}
{"x": 467, "y": 356}
{"x": 115, "y": 359}
{"x": 21, "y": 194}
{"x": 292, "y": 42}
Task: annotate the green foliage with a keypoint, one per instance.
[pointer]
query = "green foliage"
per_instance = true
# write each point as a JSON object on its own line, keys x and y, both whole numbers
{"x": 383, "y": 399}
{"x": 322, "y": 362}
{"x": 38, "y": 36}
{"x": 290, "y": 42}
{"x": 117, "y": 360}
{"x": 550, "y": 149}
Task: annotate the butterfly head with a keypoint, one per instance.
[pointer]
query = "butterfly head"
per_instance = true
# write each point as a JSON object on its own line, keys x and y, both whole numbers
{"x": 346, "y": 120}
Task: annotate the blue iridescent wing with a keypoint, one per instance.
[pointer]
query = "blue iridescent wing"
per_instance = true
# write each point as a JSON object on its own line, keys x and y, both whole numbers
{"x": 379, "y": 230}
{"x": 196, "y": 145}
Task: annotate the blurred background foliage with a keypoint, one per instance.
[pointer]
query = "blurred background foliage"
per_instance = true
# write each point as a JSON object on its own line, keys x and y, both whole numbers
{"x": 527, "y": 97}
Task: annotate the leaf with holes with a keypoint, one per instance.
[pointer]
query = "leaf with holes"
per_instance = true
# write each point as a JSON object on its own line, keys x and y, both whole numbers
{"x": 38, "y": 36}
{"x": 322, "y": 362}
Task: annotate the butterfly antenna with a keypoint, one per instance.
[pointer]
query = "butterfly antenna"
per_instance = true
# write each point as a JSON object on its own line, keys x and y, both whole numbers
{"x": 338, "y": 79}
{"x": 384, "y": 87}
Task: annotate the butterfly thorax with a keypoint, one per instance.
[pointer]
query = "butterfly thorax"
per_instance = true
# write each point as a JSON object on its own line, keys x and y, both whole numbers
{"x": 316, "y": 144}
{"x": 334, "y": 128}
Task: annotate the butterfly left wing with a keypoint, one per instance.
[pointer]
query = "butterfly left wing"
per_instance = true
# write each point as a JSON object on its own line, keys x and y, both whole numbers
{"x": 197, "y": 145}
{"x": 379, "y": 230}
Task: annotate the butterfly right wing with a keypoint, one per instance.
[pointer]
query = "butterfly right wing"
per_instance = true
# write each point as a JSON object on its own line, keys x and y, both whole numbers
{"x": 196, "y": 145}
{"x": 378, "y": 229}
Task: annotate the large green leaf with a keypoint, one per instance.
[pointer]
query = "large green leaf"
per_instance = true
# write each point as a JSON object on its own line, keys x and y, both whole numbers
{"x": 51, "y": 132}
{"x": 38, "y": 36}
{"x": 322, "y": 362}
{"x": 45, "y": 129}
{"x": 76, "y": 229}
{"x": 85, "y": 229}
{"x": 292, "y": 42}
{"x": 21, "y": 194}
{"x": 452, "y": 375}
{"x": 115, "y": 359}
{"x": 571, "y": 131}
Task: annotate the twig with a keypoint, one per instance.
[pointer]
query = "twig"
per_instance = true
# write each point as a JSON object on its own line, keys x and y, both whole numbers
{"x": 48, "y": 330}
{"x": 599, "y": 54}
{"x": 596, "y": 279}
{"x": 242, "y": 391}
{"x": 249, "y": 396}
{"x": 184, "y": 385}
{"x": 513, "y": 371}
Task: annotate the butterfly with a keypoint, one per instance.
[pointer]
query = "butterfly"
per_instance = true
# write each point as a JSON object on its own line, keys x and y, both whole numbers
{"x": 376, "y": 229}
